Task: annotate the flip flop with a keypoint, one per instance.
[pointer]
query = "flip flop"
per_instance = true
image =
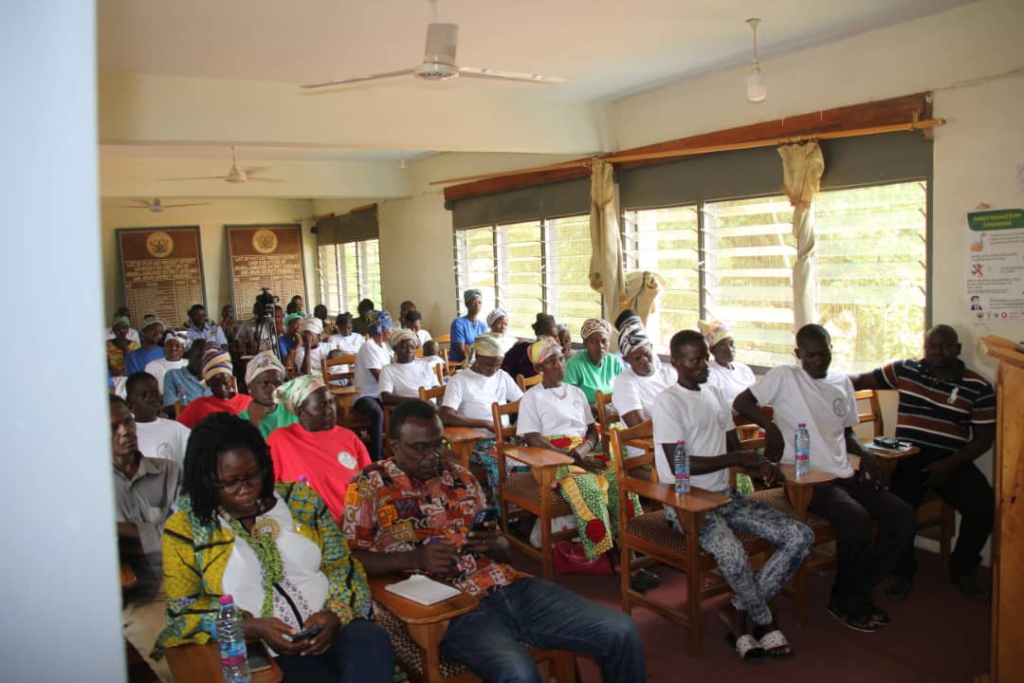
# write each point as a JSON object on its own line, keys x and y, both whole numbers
{"x": 747, "y": 648}
{"x": 775, "y": 645}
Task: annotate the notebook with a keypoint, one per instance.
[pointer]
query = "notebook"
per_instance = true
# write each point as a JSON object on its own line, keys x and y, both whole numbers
{"x": 423, "y": 590}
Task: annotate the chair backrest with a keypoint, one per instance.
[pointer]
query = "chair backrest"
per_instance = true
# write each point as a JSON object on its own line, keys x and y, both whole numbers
{"x": 873, "y": 415}
{"x": 327, "y": 366}
{"x": 620, "y": 438}
{"x": 502, "y": 434}
{"x": 289, "y": 364}
{"x": 432, "y": 393}
{"x": 443, "y": 339}
{"x": 439, "y": 371}
{"x": 749, "y": 433}
{"x": 527, "y": 382}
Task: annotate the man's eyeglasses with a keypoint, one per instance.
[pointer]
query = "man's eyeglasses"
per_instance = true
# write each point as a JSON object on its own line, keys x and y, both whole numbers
{"x": 421, "y": 449}
{"x": 253, "y": 480}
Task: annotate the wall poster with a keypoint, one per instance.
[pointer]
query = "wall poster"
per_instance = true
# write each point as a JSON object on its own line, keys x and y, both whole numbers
{"x": 265, "y": 256}
{"x": 995, "y": 264}
{"x": 161, "y": 272}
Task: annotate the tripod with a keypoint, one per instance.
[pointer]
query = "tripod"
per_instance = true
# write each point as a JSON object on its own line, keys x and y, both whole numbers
{"x": 265, "y": 333}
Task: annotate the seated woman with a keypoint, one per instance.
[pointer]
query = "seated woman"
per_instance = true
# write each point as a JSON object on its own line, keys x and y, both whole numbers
{"x": 564, "y": 337}
{"x": 467, "y": 403}
{"x": 517, "y": 359}
{"x": 467, "y": 328}
{"x": 724, "y": 372}
{"x": 594, "y": 370}
{"x": 277, "y": 551}
{"x": 414, "y": 323}
{"x": 401, "y": 381}
{"x": 556, "y": 416}
{"x": 497, "y": 321}
{"x": 175, "y": 344}
{"x": 290, "y": 340}
{"x": 310, "y": 353}
{"x": 217, "y": 372}
{"x": 645, "y": 376}
{"x": 371, "y": 359}
{"x": 345, "y": 340}
{"x": 263, "y": 376}
{"x": 120, "y": 346}
{"x": 184, "y": 385}
{"x": 315, "y": 449}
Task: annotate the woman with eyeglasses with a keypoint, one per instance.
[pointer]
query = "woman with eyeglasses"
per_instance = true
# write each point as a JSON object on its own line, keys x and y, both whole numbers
{"x": 276, "y": 550}
{"x": 263, "y": 376}
{"x": 315, "y": 449}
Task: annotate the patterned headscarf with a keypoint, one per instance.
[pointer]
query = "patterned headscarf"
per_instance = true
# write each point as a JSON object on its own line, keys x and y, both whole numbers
{"x": 488, "y": 345}
{"x": 150, "y": 320}
{"x": 714, "y": 331}
{"x": 496, "y": 315}
{"x": 471, "y": 294}
{"x": 215, "y": 361}
{"x": 543, "y": 349}
{"x": 632, "y": 334}
{"x": 381, "y": 321}
{"x": 290, "y": 317}
{"x": 180, "y": 335}
{"x": 592, "y": 325}
{"x": 294, "y": 393}
{"x": 398, "y": 336}
{"x": 314, "y": 325}
{"x": 262, "y": 362}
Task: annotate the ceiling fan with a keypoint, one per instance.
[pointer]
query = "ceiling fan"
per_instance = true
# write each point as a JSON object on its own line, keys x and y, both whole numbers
{"x": 156, "y": 207}
{"x": 439, "y": 63}
{"x": 236, "y": 174}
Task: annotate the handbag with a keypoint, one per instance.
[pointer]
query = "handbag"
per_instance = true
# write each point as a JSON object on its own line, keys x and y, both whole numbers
{"x": 570, "y": 559}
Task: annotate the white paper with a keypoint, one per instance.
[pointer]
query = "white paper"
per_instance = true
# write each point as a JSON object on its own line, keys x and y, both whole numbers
{"x": 423, "y": 590}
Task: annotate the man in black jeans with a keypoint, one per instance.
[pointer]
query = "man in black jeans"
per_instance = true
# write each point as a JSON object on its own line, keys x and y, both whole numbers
{"x": 824, "y": 402}
{"x": 949, "y": 412}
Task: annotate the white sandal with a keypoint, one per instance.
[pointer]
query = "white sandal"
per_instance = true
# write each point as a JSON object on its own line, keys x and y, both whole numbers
{"x": 775, "y": 645}
{"x": 748, "y": 648}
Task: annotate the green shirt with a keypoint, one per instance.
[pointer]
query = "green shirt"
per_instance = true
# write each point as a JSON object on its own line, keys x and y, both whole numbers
{"x": 278, "y": 417}
{"x": 580, "y": 372}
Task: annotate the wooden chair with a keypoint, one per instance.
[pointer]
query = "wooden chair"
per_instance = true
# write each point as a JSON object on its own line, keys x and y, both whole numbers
{"x": 341, "y": 367}
{"x": 433, "y": 395}
{"x": 345, "y": 397}
{"x": 290, "y": 369}
{"x": 416, "y": 632}
{"x": 524, "y": 492}
{"x": 603, "y": 401}
{"x": 202, "y": 663}
{"x": 527, "y": 382}
{"x": 439, "y": 371}
{"x": 651, "y": 535}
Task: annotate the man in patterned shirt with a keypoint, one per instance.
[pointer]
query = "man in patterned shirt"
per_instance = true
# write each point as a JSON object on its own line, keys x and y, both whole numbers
{"x": 949, "y": 412}
{"x": 412, "y": 512}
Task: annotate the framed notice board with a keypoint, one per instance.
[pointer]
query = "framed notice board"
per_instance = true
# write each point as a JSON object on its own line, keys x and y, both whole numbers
{"x": 264, "y": 256}
{"x": 161, "y": 272}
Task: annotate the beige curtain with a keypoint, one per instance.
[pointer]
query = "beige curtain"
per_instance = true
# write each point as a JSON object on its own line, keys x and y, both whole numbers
{"x": 802, "y": 167}
{"x": 606, "y": 245}
{"x": 640, "y": 292}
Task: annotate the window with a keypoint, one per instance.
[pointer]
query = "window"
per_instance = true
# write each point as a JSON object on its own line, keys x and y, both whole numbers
{"x": 349, "y": 273}
{"x": 528, "y": 268}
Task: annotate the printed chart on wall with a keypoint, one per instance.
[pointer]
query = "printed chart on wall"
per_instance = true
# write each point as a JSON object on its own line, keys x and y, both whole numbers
{"x": 161, "y": 272}
{"x": 995, "y": 264}
{"x": 264, "y": 256}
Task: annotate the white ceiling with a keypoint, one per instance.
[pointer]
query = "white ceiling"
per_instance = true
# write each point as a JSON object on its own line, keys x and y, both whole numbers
{"x": 262, "y": 153}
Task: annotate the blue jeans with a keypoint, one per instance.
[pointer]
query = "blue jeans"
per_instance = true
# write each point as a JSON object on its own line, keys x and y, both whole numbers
{"x": 546, "y": 616}
{"x": 360, "y": 653}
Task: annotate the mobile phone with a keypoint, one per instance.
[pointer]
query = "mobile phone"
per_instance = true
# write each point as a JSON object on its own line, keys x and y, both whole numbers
{"x": 308, "y": 633}
{"x": 886, "y": 442}
{"x": 488, "y": 514}
{"x": 257, "y": 655}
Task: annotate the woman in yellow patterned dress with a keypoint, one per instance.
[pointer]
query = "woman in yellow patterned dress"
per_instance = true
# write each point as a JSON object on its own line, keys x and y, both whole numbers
{"x": 277, "y": 551}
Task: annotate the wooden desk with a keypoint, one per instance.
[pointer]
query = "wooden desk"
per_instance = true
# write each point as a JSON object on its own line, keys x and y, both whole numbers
{"x": 201, "y": 663}
{"x": 536, "y": 457}
{"x": 463, "y": 440}
{"x": 887, "y": 458}
{"x": 799, "y": 491}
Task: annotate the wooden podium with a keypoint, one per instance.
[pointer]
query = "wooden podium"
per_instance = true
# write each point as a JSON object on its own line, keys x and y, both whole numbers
{"x": 1008, "y": 535}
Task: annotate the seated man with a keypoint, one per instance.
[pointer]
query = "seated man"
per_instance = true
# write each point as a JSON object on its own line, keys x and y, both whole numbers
{"x": 144, "y": 491}
{"x": 410, "y": 513}
{"x": 824, "y": 401}
{"x": 158, "y": 437}
{"x": 949, "y": 412}
{"x": 697, "y": 413}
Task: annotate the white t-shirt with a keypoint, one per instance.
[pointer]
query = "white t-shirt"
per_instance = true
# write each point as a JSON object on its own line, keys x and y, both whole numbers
{"x": 163, "y": 439}
{"x": 423, "y": 335}
{"x": 549, "y": 412}
{"x": 371, "y": 356}
{"x": 316, "y": 357}
{"x": 159, "y": 367}
{"x": 632, "y": 392}
{"x": 405, "y": 379}
{"x": 826, "y": 405}
{"x": 700, "y": 418}
{"x": 431, "y": 361}
{"x": 731, "y": 382}
{"x": 350, "y": 344}
{"x": 471, "y": 394}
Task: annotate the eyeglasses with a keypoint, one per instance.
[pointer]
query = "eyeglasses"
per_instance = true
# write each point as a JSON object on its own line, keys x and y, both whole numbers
{"x": 421, "y": 449}
{"x": 127, "y": 423}
{"x": 253, "y": 480}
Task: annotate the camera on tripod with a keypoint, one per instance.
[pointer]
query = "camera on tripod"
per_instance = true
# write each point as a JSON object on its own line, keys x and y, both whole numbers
{"x": 264, "y": 306}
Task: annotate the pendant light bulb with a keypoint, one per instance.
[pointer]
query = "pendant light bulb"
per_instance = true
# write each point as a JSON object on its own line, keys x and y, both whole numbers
{"x": 401, "y": 163}
{"x": 757, "y": 91}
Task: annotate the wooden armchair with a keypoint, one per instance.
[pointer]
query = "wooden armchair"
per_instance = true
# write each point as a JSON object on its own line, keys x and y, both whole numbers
{"x": 416, "y": 632}
{"x": 345, "y": 396}
{"x": 531, "y": 492}
{"x": 651, "y": 535}
{"x": 527, "y": 382}
{"x": 602, "y": 401}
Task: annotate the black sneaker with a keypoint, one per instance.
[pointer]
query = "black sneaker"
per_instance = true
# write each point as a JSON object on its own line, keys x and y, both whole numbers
{"x": 858, "y": 621}
{"x": 644, "y": 581}
{"x": 898, "y": 587}
{"x": 969, "y": 586}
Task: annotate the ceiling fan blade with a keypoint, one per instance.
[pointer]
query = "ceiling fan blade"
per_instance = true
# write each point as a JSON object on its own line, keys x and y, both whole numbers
{"x": 255, "y": 169}
{"x": 178, "y": 206}
{"x": 497, "y": 74}
{"x": 269, "y": 180}
{"x": 358, "y": 79}
{"x": 125, "y": 206}
{"x": 207, "y": 177}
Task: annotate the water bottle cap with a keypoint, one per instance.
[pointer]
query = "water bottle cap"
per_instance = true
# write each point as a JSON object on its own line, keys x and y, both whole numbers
{"x": 680, "y": 442}
{"x": 801, "y": 424}
{"x": 226, "y": 600}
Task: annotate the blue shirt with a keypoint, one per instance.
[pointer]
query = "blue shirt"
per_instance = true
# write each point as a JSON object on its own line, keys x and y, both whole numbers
{"x": 211, "y": 333}
{"x": 180, "y": 385}
{"x": 137, "y": 359}
{"x": 464, "y": 331}
{"x": 286, "y": 345}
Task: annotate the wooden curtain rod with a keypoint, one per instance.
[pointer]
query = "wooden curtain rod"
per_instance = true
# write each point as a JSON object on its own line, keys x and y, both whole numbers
{"x": 696, "y": 151}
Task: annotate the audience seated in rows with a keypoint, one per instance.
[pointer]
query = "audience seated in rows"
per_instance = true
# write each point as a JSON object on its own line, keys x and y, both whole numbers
{"x": 644, "y": 377}
{"x": 365, "y": 315}
{"x": 263, "y": 375}
{"x": 198, "y": 327}
{"x": 344, "y": 339}
{"x": 158, "y": 437}
{"x": 497, "y": 322}
{"x": 217, "y": 373}
{"x": 466, "y": 329}
{"x": 371, "y": 359}
{"x": 150, "y": 349}
{"x": 119, "y": 346}
{"x": 414, "y": 323}
{"x": 185, "y": 384}
{"x": 132, "y": 334}
{"x": 175, "y": 344}
{"x": 596, "y": 369}
{"x": 401, "y": 380}
{"x": 517, "y": 359}
{"x": 726, "y": 373}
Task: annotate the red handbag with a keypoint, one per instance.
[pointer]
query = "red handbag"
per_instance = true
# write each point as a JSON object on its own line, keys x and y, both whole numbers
{"x": 570, "y": 559}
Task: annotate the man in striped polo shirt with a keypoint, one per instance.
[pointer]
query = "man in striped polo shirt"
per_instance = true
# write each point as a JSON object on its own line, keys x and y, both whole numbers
{"x": 949, "y": 412}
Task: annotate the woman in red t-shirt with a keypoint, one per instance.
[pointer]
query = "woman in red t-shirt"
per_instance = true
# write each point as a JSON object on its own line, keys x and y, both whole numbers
{"x": 217, "y": 372}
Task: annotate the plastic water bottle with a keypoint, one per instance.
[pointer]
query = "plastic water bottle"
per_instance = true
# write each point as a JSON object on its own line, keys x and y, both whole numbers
{"x": 681, "y": 463}
{"x": 803, "y": 451}
{"x": 234, "y": 661}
